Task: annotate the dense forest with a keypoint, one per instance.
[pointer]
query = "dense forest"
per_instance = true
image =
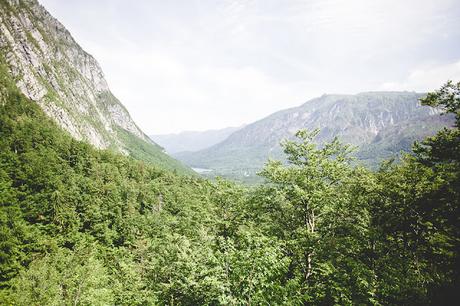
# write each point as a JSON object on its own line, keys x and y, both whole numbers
{"x": 81, "y": 226}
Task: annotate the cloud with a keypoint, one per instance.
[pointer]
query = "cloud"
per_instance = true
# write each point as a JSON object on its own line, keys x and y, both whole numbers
{"x": 426, "y": 78}
{"x": 201, "y": 97}
{"x": 194, "y": 65}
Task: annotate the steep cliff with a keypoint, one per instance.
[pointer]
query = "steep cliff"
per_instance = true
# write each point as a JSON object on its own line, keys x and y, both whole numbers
{"x": 49, "y": 67}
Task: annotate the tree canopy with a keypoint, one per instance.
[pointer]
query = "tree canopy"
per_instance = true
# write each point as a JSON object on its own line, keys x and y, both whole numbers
{"x": 82, "y": 226}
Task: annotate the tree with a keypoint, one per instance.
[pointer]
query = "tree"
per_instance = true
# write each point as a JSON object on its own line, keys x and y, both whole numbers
{"x": 316, "y": 208}
{"x": 416, "y": 215}
{"x": 444, "y": 147}
{"x": 64, "y": 277}
{"x": 442, "y": 154}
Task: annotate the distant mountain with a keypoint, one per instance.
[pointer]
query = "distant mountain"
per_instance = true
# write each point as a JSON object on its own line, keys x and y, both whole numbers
{"x": 50, "y": 68}
{"x": 379, "y": 123}
{"x": 192, "y": 140}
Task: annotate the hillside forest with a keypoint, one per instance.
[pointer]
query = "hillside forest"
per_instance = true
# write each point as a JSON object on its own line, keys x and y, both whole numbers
{"x": 81, "y": 226}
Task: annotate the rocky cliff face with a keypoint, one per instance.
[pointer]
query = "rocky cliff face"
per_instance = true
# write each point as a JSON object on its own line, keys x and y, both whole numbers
{"x": 380, "y": 124}
{"x": 356, "y": 119}
{"x": 49, "y": 67}
{"x": 53, "y": 70}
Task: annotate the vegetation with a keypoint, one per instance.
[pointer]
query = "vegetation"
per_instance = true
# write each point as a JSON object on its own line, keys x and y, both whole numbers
{"x": 152, "y": 153}
{"x": 87, "y": 227}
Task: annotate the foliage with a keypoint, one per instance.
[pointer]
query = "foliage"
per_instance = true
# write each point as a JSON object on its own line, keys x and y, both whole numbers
{"x": 87, "y": 227}
{"x": 152, "y": 153}
{"x": 318, "y": 211}
{"x": 64, "y": 277}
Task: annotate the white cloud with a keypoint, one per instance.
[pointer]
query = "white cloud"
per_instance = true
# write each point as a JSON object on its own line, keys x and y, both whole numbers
{"x": 426, "y": 78}
{"x": 193, "y": 65}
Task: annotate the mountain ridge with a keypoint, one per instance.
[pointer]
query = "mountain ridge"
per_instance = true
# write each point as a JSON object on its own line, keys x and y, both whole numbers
{"x": 356, "y": 119}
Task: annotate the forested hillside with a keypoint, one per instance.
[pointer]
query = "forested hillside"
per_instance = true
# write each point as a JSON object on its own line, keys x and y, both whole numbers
{"x": 83, "y": 226}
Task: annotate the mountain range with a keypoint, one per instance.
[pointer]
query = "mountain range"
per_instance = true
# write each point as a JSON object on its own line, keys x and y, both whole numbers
{"x": 379, "y": 124}
{"x": 190, "y": 141}
{"x": 50, "y": 68}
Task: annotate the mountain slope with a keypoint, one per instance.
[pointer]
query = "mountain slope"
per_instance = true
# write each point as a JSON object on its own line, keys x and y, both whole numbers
{"x": 192, "y": 140}
{"x": 50, "y": 68}
{"x": 379, "y": 123}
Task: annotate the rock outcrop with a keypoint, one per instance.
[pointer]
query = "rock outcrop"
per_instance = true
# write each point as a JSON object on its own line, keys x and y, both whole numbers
{"x": 53, "y": 70}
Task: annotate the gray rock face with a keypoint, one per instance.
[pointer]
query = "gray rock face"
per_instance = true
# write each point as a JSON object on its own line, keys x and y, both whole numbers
{"x": 356, "y": 119}
{"x": 53, "y": 70}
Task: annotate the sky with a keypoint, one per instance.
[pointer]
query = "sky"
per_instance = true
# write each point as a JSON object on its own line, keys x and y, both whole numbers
{"x": 198, "y": 65}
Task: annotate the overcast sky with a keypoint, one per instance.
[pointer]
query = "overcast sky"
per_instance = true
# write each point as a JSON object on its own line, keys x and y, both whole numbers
{"x": 197, "y": 65}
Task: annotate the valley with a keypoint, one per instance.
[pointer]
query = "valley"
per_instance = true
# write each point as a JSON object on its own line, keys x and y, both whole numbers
{"x": 343, "y": 200}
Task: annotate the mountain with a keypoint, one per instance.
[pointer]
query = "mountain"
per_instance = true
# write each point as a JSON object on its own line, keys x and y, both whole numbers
{"x": 50, "y": 68}
{"x": 192, "y": 140}
{"x": 380, "y": 124}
